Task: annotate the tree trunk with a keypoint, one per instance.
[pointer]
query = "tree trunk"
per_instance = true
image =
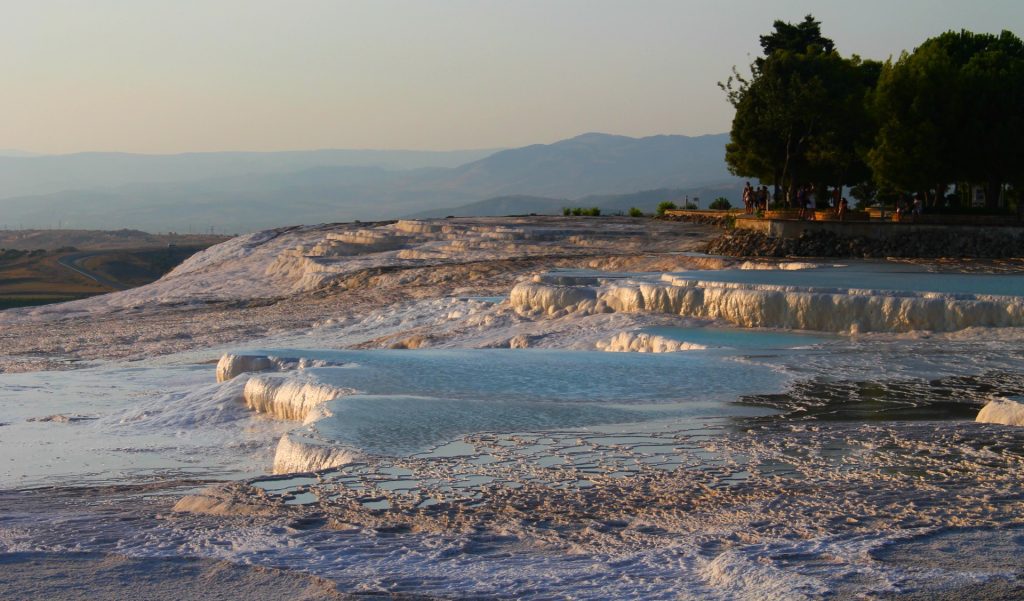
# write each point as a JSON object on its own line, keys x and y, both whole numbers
{"x": 775, "y": 184}
{"x": 992, "y": 194}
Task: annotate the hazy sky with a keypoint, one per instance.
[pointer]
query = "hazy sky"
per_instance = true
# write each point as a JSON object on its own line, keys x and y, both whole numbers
{"x": 182, "y": 75}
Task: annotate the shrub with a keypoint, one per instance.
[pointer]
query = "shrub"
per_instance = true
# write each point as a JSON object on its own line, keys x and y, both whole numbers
{"x": 665, "y": 206}
{"x": 721, "y": 203}
{"x": 566, "y": 211}
{"x": 635, "y": 212}
{"x": 581, "y": 212}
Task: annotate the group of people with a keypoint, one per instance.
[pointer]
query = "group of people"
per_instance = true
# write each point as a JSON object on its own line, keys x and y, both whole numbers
{"x": 755, "y": 199}
{"x": 913, "y": 208}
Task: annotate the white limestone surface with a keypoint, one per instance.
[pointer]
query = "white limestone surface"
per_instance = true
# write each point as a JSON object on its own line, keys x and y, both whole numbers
{"x": 231, "y": 365}
{"x": 642, "y": 342}
{"x": 297, "y": 454}
{"x": 289, "y": 398}
{"x": 773, "y": 306}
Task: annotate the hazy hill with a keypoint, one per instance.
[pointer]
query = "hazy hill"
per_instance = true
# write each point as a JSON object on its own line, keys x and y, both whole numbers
{"x": 595, "y": 164}
{"x": 22, "y": 174}
{"x": 235, "y": 192}
{"x": 517, "y": 204}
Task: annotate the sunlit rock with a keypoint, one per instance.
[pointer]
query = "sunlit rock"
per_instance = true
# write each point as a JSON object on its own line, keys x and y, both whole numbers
{"x": 296, "y": 454}
{"x": 1002, "y": 411}
{"x": 287, "y": 398}
{"x": 640, "y": 342}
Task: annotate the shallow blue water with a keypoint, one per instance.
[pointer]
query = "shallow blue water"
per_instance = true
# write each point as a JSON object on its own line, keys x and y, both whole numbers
{"x": 872, "y": 276}
{"x": 541, "y": 375}
{"x": 739, "y": 338}
{"x": 409, "y": 401}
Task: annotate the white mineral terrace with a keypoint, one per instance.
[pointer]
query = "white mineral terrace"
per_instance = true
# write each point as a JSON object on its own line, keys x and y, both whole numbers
{"x": 640, "y": 342}
{"x": 313, "y": 266}
{"x": 289, "y": 398}
{"x": 286, "y": 261}
{"x": 765, "y": 305}
{"x": 231, "y": 365}
{"x": 295, "y": 453}
{"x": 418, "y": 408}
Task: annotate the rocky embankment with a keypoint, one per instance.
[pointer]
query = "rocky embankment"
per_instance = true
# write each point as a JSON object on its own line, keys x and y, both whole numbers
{"x": 701, "y": 217}
{"x": 997, "y": 243}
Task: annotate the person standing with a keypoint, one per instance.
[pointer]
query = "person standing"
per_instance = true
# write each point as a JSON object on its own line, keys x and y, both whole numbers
{"x": 801, "y": 201}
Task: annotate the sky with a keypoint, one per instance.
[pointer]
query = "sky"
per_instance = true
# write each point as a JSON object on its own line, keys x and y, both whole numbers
{"x": 208, "y": 75}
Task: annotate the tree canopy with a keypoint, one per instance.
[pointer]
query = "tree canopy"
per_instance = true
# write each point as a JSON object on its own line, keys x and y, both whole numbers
{"x": 796, "y": 38}
{"x": 800, "y": 115}
{"x": 949, "y": 111}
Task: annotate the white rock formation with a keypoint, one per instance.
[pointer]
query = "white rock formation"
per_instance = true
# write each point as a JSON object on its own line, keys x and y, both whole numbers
{"x": 757, "y": 305}
{"x": 290, "y": 398}
{"x": 640, "y": 342}
{"x": 779, "y": 266}
{"x": 1002, "y": 411}
{"x": 297, "y": 454}
{"x": 533, "y": 297}
{"x": 231, "y": 365}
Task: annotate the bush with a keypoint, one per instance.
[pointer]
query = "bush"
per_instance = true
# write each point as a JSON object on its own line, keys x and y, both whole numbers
{"x": 721, "y": 203}
{"x": 635, "y": 212}
{"x": 665, "y": 206}
{"x": 581, "y": 212}
{"x": 691, "y": 205}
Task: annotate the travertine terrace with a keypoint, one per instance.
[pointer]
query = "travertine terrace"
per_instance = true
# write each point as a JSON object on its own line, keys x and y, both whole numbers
{"x": 394, "y": 276}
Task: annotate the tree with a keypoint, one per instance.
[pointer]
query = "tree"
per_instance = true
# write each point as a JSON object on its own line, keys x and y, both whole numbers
{"x": 663, "y": 206}
{"x": 800, "y": 115}
{"x": 864, "y": 193}
{"x": 950, "y": 111}
{"x": 796, "y": 38}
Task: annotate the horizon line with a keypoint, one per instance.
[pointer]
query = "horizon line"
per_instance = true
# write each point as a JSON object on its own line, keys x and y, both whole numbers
{"x": 17, "y": 153}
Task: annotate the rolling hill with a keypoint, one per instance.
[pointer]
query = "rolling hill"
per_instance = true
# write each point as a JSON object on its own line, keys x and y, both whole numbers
{"x": 249, "y": 191}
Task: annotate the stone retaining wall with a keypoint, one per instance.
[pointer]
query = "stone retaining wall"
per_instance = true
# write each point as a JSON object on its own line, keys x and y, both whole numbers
{"x": 910, "y": 241}
{"x": 791, "y": 228}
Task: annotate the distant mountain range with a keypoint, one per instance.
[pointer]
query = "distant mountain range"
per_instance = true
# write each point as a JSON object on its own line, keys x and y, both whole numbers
{"x": 234, "y": 192}
{"x": 23, "y": 174}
